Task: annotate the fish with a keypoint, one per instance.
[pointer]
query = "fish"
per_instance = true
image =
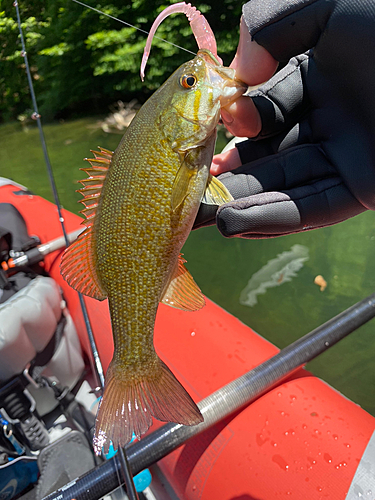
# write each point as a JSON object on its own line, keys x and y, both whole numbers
{"x": 140, "y": 205}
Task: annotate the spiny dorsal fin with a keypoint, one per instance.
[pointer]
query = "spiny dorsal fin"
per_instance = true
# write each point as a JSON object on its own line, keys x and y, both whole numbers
{"x": 92, "y": 186}
{"x": 182, "y": 292}
{"x": 77, "y": 263}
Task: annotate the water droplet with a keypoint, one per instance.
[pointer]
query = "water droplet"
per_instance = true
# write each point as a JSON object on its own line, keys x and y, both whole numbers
{"x": 61, "y": 219}
{"x": 335, "y": 437}
{"x": 327, "y": 458}
{"x": 35, "y": 116}
{"x": 192, "y": 334}
{"x": 326, "y": 344}
{"x": 15, "y": 3}
{"x": 23, "y": 53}
{"x": 279, "y": 460}
{"x": 347, "y": 445}
{"x": 261, "y": 440}
{"x": 319, "y": 488}
{"x": 279, "y": 394}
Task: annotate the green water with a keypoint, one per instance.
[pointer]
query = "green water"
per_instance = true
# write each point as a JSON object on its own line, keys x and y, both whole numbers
{"x": 342, "y": 254}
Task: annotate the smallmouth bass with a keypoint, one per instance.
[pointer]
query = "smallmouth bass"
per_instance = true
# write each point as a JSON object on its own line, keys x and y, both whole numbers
{"x": 140, "y": 204}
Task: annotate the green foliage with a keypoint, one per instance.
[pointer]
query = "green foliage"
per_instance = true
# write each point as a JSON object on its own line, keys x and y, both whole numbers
{"x": 14, "y": 89}
{"x": 81, "y": 61}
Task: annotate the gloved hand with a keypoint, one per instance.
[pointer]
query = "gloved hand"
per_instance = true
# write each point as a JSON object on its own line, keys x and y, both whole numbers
{"x": 311, "y": 162}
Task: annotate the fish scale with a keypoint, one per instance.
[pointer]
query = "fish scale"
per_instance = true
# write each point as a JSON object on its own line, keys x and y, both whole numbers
{"x": 141, "y": 203}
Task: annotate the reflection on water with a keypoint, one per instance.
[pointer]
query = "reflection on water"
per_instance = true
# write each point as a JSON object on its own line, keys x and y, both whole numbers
{"x": 276, "y": 272}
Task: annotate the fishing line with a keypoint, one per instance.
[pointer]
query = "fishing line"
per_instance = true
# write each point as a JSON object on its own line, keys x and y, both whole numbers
{"x": 131, "y": 25}
{"x": 98, "y": 369}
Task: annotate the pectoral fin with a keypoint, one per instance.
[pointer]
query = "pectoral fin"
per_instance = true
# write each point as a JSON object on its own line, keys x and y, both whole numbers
{"x": 181, "y": 185}
{"x": 216, "y": 193}
{"x": 183, "y": 293}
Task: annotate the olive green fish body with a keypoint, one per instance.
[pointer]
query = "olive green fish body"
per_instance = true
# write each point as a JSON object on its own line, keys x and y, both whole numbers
{"x": 140, "y": 212}
{"x": 138, "y": 237}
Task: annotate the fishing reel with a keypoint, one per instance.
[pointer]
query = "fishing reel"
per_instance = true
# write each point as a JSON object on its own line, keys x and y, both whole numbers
{"x": 16, "y": 270}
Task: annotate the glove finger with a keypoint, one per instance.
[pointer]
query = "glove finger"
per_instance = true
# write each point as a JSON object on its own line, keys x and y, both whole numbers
{"x": 206, "y": 216}
{"x": 250, "y": 150}
{"x": 272, "y": 214}
{"x": 283, "y": 171}
{"x": 283, "y": 100}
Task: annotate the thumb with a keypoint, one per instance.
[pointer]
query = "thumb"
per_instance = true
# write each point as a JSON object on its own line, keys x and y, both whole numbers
{"x": 252, "y": 62}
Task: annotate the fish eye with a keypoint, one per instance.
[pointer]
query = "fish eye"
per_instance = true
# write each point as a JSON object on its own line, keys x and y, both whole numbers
{"x": 188, "y": 81}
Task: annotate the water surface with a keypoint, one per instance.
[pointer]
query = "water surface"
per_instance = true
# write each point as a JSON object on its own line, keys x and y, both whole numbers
{"x": 342, "y": 254}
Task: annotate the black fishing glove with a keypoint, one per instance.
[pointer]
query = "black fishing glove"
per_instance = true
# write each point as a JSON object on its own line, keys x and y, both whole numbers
{"x": 313, "y": 163}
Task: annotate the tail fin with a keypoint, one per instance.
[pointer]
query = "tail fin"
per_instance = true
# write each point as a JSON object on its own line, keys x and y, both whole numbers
{"x": 129, "y": 403}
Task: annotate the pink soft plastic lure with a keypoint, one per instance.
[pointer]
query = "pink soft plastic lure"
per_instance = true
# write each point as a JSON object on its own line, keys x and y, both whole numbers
{"x": 199, "y": 25}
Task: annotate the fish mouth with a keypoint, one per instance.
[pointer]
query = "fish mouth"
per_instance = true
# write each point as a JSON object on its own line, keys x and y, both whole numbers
{"x": 222, "y": 79}
{"x": 233, "y": 88}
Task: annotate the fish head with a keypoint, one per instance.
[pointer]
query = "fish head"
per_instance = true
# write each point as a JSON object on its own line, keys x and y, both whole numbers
{"x": 197, "y": 91}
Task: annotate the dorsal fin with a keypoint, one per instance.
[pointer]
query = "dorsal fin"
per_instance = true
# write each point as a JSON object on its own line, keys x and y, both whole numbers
{"x": 78, "y": 263}
{"x": 92, "y": 186}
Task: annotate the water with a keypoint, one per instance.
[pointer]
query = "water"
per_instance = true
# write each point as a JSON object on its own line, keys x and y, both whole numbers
{"x": 293, "y": 304}
{"x": 342, "y": 254}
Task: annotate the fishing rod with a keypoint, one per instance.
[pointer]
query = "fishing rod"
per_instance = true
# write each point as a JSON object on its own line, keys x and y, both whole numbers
{"x": 98, "y": 369}
{"x": 96, "y": 365}
{"x": 221, "y": 404}
{"x": 37, "y": 254}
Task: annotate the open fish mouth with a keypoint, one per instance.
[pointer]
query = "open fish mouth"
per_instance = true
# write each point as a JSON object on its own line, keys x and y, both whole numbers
{"x": 222, "y": 79}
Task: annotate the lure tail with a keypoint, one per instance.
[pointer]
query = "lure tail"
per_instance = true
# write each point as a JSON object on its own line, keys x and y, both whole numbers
{"x": 130, "y": 401}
